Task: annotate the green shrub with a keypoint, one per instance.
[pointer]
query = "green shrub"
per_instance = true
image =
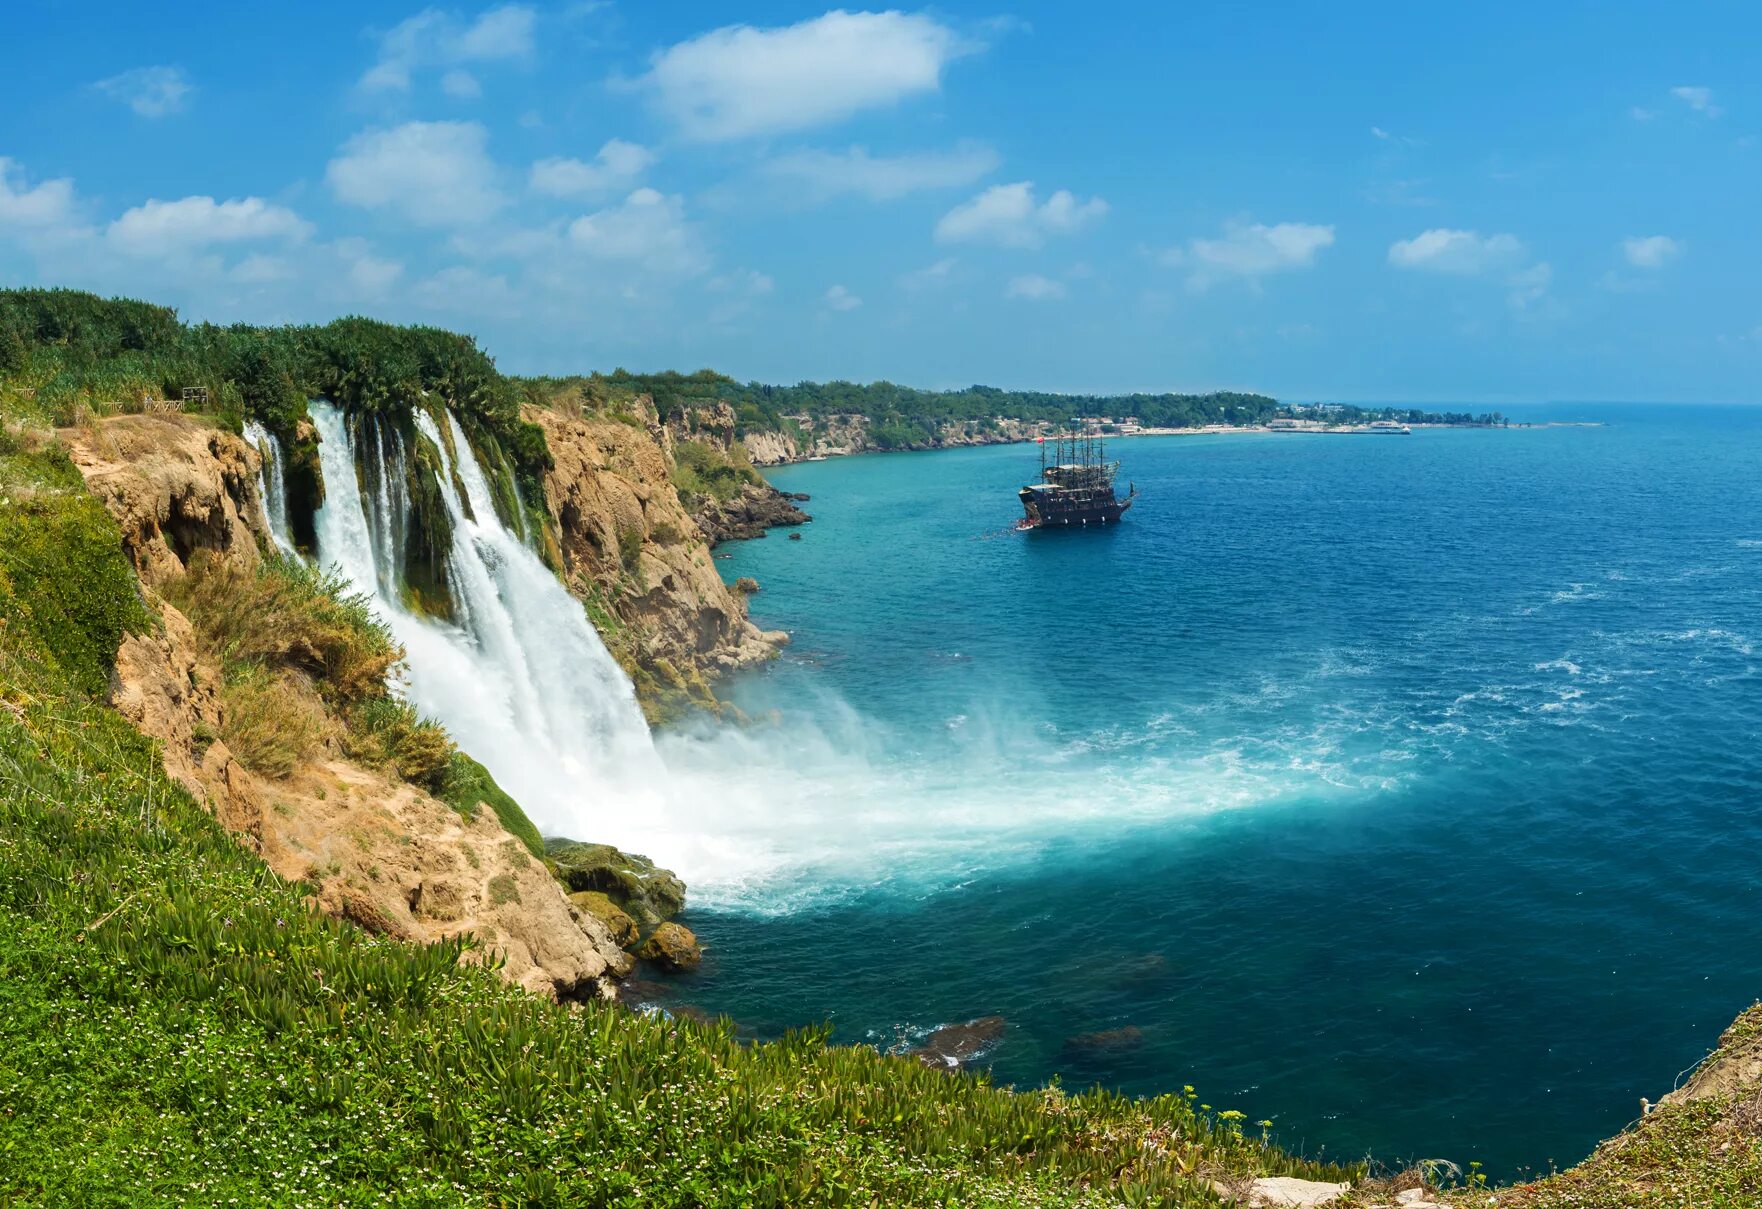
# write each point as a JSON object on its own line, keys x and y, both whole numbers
{"x": 65, "y": 586}
{"x": 387, "y": 733}
{"x": 270, "y": 721}
{"x": 283, "y": 613}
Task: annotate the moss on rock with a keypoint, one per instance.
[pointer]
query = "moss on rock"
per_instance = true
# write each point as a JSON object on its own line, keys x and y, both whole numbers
{"x": 625, "y": 933}
{"x": 672, "y": 947}
{"x": 650, "y": 895}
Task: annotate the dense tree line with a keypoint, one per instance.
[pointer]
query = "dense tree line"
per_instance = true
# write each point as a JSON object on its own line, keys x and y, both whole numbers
{"x": 77, "y": 349}
{"x": 901, "y": 416}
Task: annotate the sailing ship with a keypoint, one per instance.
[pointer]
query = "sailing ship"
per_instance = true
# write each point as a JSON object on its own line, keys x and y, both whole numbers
{"x": 1076, "y": 487}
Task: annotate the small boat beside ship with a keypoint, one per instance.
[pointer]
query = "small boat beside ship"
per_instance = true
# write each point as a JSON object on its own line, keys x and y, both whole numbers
{"x": 1076, "y": 487}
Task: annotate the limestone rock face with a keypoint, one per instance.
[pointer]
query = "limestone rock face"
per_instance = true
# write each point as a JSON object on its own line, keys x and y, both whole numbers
{"x": 628, "y": 546}
{"x": 176, "y": 486}
{"x": 168, "y": 692}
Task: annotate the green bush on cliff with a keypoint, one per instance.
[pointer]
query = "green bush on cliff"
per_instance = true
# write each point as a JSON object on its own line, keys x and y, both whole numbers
{"x": 65, "y": 589}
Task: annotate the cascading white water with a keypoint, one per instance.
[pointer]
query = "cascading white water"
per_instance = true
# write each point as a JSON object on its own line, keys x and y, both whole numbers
{"x": 521, "y": 679}
{"x": 272, "y": 486}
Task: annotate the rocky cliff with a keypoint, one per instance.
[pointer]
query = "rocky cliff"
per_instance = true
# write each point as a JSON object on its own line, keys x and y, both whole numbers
{"x": 841, "y": 435}
{"x": 379, "y": 851}
{"x": 633, "y": 552}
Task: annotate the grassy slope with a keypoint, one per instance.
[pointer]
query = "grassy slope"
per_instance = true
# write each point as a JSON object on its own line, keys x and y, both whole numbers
{"x": 176, "y": 1027}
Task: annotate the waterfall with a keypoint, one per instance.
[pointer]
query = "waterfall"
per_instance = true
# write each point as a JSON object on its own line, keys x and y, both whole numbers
{"x": 272, "y": 486}
{"x": 520, "y": 677}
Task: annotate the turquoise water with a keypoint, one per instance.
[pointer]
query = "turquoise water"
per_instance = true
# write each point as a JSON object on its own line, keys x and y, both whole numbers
{"x": 1406, "y": 791}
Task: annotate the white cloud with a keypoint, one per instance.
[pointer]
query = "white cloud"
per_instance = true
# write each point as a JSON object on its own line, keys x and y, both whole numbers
{"x": 739, "y": 80}
{"x": 433, "y": 38}
{"x": 1007, "y": 215}
{"x": 930, "y": 276}
{"x": 171, "y": 228}
{"x": 436, "y": 174}
{"x": 750, "y": 282}
{"x": 370, "y": 275}
{"x": 616, "y": 166}
{"x": 1471, "y": 254}
{"x": 45, "y": 205}
{"x": 1034, "y": 287}
{"x": 841, "y": 299}
{"x": 647, "y": 228}
{"x": 461, "y": 84}
{"x": 152, "y": 92}
{"x": 824, "y": 174}
{"x": 1529, "y": 286}
{"x": 1697, "y": 97}
{"x": 1442, "y": 250}
{"x": 1399, "y": 140}
{"x": 1650, "y": 251}
{"x": 1250, "y": 251}
{"x": 1641, "y": 114}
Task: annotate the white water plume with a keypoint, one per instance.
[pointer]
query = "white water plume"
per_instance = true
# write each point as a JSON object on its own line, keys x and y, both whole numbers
{"x": 272, "y": 486}
{"x": 521, "y": 679}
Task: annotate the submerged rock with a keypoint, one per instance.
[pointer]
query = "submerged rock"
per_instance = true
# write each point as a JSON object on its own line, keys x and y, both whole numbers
{"x": 672, "y": 947}
{"x": 1105, "y": 1041}
{"x": 954, "y": 1045}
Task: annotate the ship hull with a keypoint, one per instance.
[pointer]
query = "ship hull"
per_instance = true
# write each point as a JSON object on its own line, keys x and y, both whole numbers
{"x": 1076, "y": 514}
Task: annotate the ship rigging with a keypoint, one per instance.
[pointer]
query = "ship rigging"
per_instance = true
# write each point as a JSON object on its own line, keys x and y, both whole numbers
{"x": 1076, "y": 487}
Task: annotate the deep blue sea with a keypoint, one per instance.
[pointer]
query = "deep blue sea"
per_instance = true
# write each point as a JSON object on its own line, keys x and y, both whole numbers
{"x": 1404, "y": 790}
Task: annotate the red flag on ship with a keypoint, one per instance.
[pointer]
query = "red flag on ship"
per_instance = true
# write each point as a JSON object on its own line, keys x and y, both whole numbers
{"x": 1039, "y": 440}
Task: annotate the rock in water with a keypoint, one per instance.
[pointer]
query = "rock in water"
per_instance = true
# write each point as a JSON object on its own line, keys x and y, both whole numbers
{"x": 672, "y": 947}
{"x": 954, "y": 1045}
{"x": 648, "y": 894}
{"x": 1106, "y": 1041}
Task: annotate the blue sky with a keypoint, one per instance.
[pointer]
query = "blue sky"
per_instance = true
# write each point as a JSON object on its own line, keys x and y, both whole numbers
{"x": 1496, "y": 202}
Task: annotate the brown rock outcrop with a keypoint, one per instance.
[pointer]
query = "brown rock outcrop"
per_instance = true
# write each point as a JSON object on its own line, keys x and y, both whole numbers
{"x": 628, "y": 546}
{"x": 175, "y": 485}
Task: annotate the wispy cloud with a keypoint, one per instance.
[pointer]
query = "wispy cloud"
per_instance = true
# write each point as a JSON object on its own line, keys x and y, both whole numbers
{"x": 1466, "y": 253}
{"x": 1010, "y": 217}
{"x": 434, "y": 38}
{"x": 649, "y": 229}
{"x": 1698, "y": 98}
{"x": 436, "y": 174}
{"x": 840, "y": 299}
{"x": 152, "y": 92}
{"x": 827, "y": 174}
{"x": 741, "y": 81}
{"x": 171, "y": 228}
{"x": 1502, "y": 257}
{"x": 1650, "y": 251}
{"x": 1249, "y": 251}
{"x": 616, "y": 166}
{"x": 1035, "y": 288}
